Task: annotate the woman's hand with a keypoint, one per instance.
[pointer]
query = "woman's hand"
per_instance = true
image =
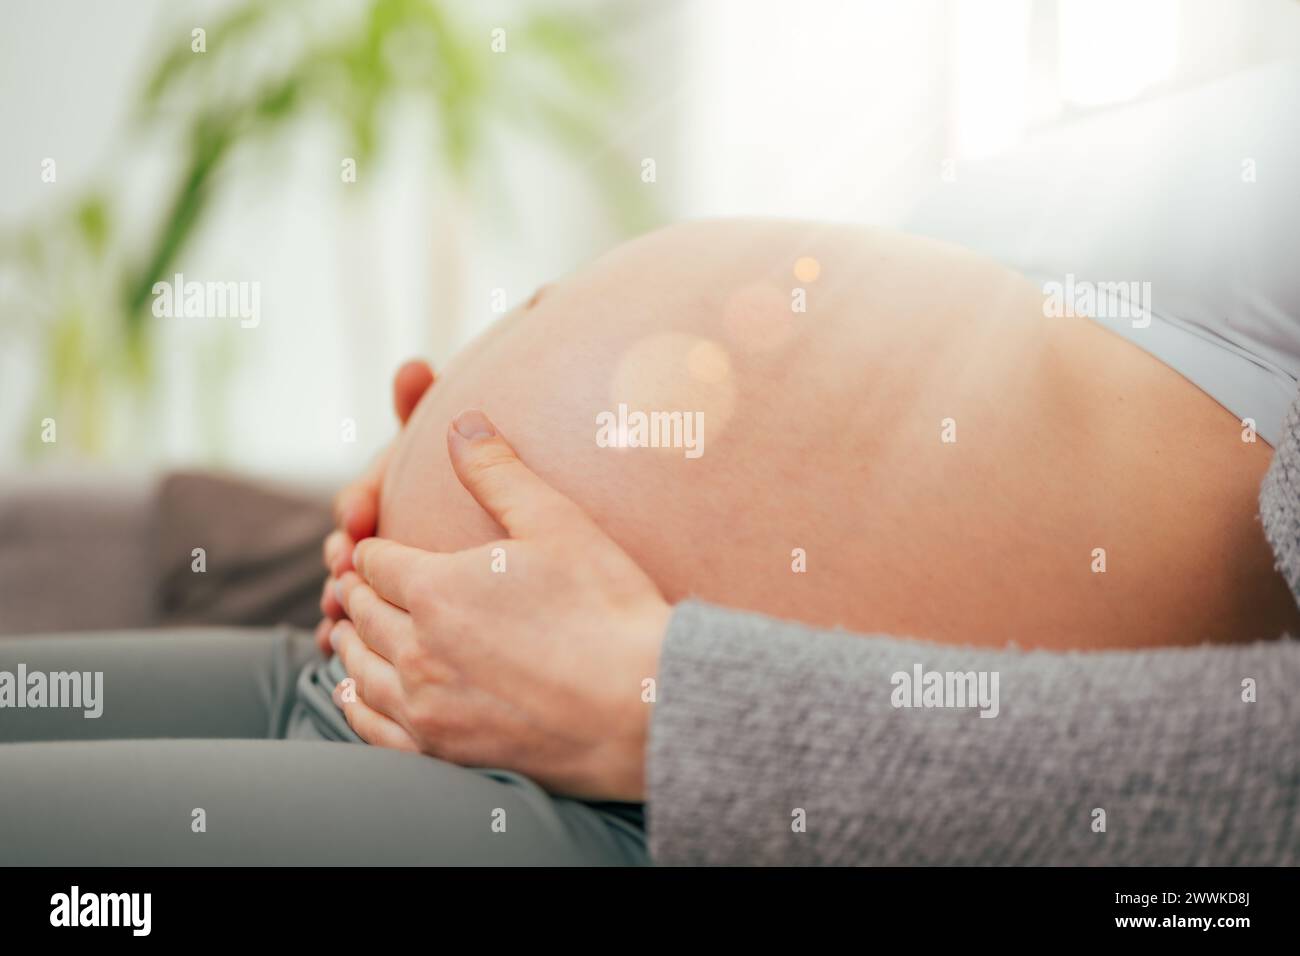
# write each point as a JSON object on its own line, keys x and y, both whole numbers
{"x": 356, "y": 507}
{"x": 536, "y": 653}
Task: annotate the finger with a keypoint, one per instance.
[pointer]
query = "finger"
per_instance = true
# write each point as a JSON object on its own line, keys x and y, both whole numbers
{"x": 397, "y": 572}
{"x": 370, "y": 725}
{"x": 323, "y": 636}
{"x": 409, "y": 385}
{"x": 383, "y": 627}
{"x": 349, "y": 492}
{"x": 358, "y": 513}
{"x": 330, "y": 547}
{"x": 343, "y": 563}
{"x": 377, "y": 679}
{"x": 329, "y": 601}
{"x": 337, "y": 552}
{"x": 356, "y": 507}
{"x": 508, "y": 490}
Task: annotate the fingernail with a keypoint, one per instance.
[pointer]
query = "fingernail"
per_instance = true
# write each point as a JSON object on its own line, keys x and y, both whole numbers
{"x": 473, "y": 424}
{"x": 334, "y": 637}
{"x": 338, "y": 591}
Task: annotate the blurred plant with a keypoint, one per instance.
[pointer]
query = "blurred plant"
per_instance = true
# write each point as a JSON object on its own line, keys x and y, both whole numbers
{"x": 89, "y": 288}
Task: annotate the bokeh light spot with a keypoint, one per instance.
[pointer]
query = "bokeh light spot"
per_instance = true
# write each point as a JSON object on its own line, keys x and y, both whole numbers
{"x": 807, "y": 269}
{"x": 675, "y": 371}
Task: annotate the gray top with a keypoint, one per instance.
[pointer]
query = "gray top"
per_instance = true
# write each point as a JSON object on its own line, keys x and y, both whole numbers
{"x": 1207, "y": 244}
{"x": 776, "y": 743}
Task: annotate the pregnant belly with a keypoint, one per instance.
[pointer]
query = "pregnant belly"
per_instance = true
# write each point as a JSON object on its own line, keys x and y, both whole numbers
{"x": 866, "y": 430}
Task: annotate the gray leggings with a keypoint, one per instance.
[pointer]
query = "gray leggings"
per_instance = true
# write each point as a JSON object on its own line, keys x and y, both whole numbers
{"x": 222, "y": 747}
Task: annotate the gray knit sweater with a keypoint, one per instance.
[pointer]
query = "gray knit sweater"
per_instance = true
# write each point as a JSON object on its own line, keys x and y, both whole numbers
{"x": 774, "y": 743}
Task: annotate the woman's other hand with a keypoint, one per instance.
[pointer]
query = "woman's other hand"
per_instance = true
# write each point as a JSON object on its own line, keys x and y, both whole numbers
{"x": 356, "y": 507}
{"x": 536, "y": 653}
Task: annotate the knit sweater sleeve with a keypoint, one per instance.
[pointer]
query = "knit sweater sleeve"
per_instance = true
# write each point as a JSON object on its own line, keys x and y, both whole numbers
{"x": 773, "y": 743}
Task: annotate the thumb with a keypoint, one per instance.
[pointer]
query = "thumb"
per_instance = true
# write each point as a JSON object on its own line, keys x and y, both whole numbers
{"x": 508, "y": 490}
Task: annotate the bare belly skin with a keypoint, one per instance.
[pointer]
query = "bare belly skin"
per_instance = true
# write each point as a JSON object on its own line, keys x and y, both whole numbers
{"x": 823, "y": 431}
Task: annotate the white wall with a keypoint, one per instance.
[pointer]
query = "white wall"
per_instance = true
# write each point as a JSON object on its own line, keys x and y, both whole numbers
{"x": 845, "y": 109}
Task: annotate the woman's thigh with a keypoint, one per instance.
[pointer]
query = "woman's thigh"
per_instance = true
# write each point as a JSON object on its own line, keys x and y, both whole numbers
{"x": 218, "y": 682}
{"x": 222, "y": 802}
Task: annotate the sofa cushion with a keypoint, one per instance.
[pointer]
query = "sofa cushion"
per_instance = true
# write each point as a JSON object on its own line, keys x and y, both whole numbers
{"x": 235, "y": 552}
